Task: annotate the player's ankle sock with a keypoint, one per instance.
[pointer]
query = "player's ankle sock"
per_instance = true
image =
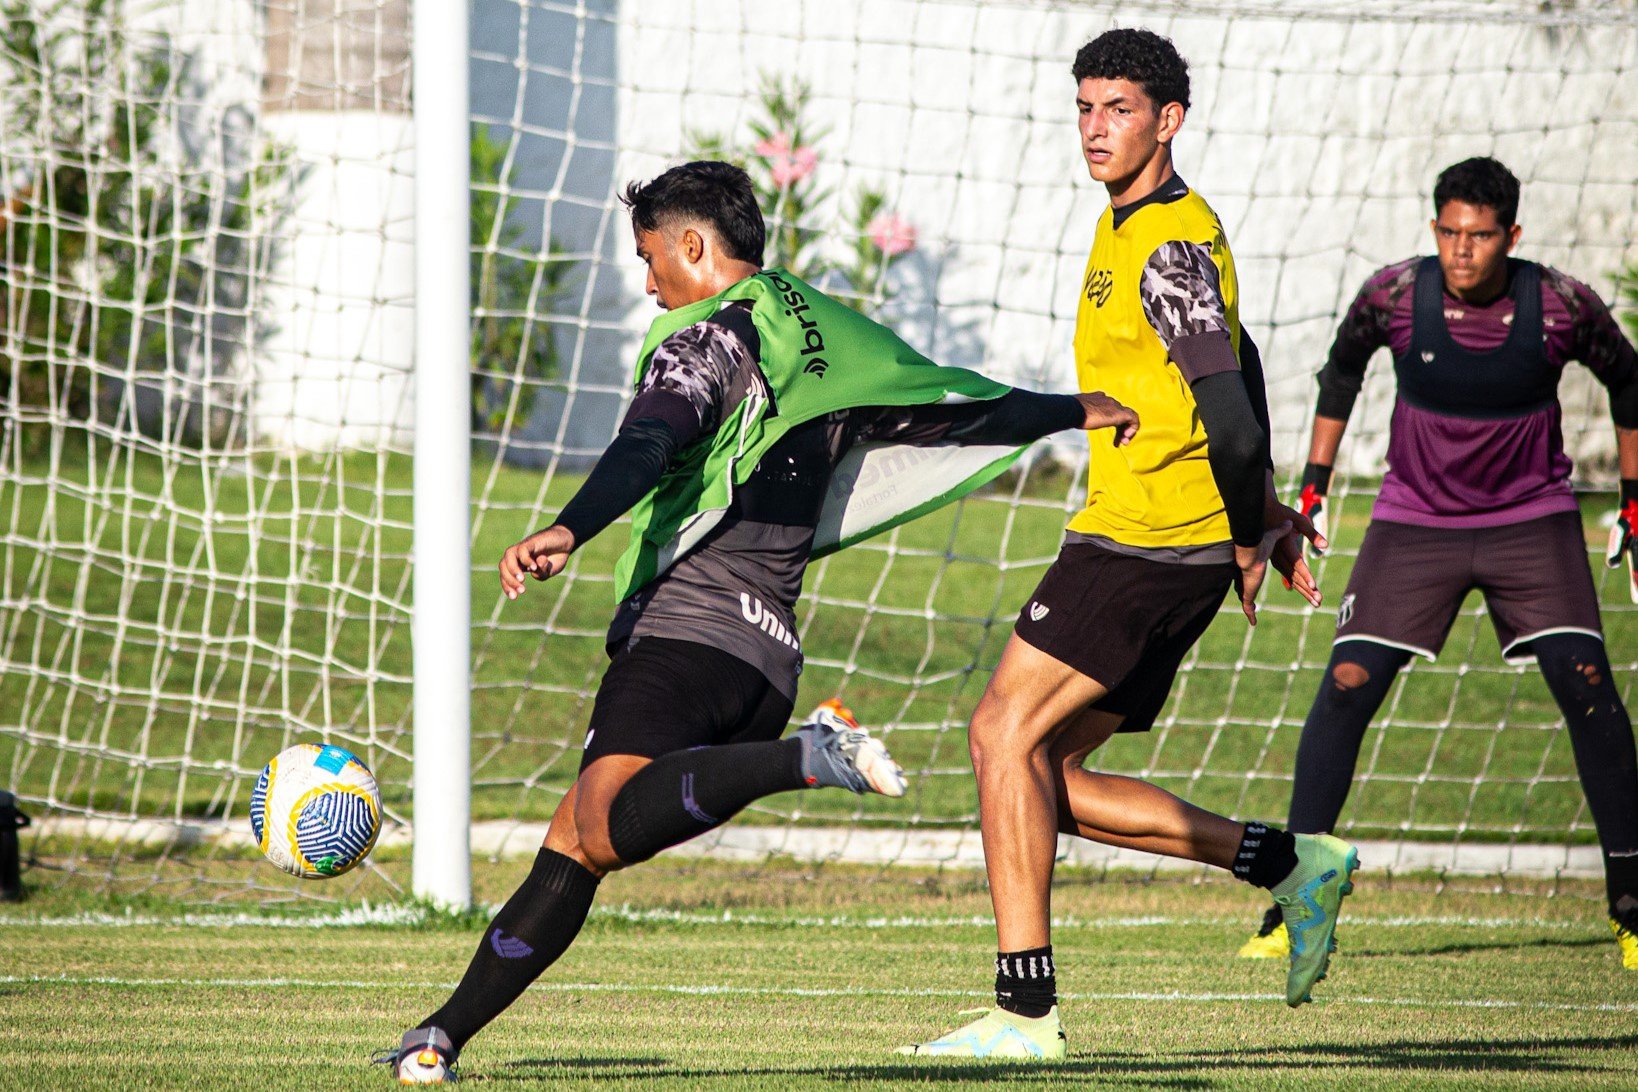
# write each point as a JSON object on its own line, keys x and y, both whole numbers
{"x": 682, "y": 795}
{"x": 1026, "y": 982}
{"x": 534, "y": 928}
{"x": 1621, "y": 885}
{"x": 1266, "y": 856}
{"x": 1624, "y": 910}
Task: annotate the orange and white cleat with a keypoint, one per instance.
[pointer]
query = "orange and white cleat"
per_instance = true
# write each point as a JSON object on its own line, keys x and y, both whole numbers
{"x": 424, "y": 1056}
{"x": 837, "y": 752}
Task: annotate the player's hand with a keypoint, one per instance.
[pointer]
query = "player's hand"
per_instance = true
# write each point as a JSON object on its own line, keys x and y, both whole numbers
{"x": 1287, "y": 553}
{"x": 542, "y": 555}
{"x": 1622, "y": 543}
{"x": 1253, "y": 562}
{"x": 1103, "y": 411}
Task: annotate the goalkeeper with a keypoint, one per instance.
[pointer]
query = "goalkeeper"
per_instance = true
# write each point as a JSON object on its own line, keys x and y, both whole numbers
{"x": 1477, "y": 495}
{"x": 750, "y": 391}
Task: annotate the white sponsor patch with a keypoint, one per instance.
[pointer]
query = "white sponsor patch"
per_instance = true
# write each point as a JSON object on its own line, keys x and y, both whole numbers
{"x": 1038, "y": 611}
{"x": 1345, "y": 611}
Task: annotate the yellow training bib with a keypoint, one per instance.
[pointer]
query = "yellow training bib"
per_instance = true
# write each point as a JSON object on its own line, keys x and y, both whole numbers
{"x": 1158, "y": 490}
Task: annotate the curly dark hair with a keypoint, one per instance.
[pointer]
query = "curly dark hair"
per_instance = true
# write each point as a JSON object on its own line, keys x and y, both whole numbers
{"x": 1479, "y": 181}
{"x": 1147, "y": 59}
{"x": 718, "y": 193}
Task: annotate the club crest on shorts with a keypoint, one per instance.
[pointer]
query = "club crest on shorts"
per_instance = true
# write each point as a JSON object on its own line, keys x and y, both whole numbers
{"x": 1345, "y": 610}
{"x": 1038, "y": 611}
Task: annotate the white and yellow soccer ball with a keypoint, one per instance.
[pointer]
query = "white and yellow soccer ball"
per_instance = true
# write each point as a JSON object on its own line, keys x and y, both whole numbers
{"x": 315, "y": 811}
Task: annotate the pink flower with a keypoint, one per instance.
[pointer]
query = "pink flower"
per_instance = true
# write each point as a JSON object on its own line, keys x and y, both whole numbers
{"x": 787, "y": 165}
{"x": 892, "y": 234}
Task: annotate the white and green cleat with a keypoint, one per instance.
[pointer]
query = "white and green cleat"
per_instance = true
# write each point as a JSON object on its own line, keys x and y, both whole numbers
{"x": 1309, "y": 900}
{"x": 1000, "y": 1035}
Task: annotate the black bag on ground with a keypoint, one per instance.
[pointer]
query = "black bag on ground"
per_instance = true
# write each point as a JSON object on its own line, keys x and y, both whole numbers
{"x": 11, "y": 875}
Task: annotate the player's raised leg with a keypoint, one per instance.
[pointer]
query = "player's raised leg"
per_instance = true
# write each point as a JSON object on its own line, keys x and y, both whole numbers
{"x": 1307, "y": 875}
{"x": 672, "y": 696}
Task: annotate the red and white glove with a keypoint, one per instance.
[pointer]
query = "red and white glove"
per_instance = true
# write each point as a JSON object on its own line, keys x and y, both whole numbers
{"x": 1316, "y": 482}
{"x": 1621, "y": 536}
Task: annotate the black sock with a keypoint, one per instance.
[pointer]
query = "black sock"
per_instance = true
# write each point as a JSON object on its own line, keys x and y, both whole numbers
{"x": 1026, "y": 982}
{"x": 684, "y": 794}
{"x": 1577, "y": 670}
{"x": 1356, "y": 681}
{"x": 1267, "y": 855}
{"x": 534, "y": 928}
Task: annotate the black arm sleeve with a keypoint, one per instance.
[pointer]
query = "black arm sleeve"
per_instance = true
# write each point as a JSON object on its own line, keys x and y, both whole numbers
{"x": 1624, "y": 404}
{"x": 1251, "y": 369}
{"x": 629, "y": 468}
{"x": 1017, "y": 417}
{"x": 1341, "y": 378}
{"x": 1237, "y": 448}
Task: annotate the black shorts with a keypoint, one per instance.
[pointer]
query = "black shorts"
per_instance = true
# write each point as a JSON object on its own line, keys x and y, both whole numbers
{"x": 1124, "y": 621}
{"x": 1409, "y": 582}
{"x": 660, "y": 695}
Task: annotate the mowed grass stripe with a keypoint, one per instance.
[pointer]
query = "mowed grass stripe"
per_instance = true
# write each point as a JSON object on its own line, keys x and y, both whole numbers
{"x": 728, "y": 918}
{"x": 713, "y": 990}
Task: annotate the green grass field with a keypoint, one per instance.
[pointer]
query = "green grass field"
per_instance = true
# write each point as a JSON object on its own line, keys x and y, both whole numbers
{"x": 149, "y": 634}
{"x": 703, "y": 976}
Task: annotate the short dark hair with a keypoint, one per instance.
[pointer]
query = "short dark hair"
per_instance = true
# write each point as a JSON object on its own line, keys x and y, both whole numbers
{"x": 718, "y": 193}
{"x": 1479, "y": 181}
{"x": 1142, "y": 56}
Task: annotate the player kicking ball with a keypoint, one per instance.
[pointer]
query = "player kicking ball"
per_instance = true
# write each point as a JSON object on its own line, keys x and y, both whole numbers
{"x": 1171, "y": 523}
{"x": 749, "y": 391}
{"x": 1477, "y": 495}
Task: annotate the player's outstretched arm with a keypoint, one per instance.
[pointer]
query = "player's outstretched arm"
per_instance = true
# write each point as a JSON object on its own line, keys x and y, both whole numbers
{"x": 1018, "y": 417}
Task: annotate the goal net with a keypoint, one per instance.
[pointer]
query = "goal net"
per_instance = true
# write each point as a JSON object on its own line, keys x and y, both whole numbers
{"x": 207, "y": 388}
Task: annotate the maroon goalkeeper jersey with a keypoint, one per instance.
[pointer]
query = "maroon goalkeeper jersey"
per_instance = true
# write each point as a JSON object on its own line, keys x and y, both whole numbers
{"x": 1476, "y": 436}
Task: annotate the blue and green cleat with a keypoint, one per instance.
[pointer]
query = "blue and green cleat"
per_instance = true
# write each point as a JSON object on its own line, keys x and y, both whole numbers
{"x": 1002, "y": 1036}
{"x": 1309, "y": 900}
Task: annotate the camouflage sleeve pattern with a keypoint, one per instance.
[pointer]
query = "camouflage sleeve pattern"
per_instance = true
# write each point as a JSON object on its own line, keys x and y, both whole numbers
{"x": 704, "y": 364}
{"x": 1365, "y": 328}
{"x": 1596, "y": 339}
{"x": 1181, "y": 294}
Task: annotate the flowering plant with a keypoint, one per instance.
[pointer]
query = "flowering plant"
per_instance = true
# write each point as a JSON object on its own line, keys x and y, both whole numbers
{"x": 784, "y": 162}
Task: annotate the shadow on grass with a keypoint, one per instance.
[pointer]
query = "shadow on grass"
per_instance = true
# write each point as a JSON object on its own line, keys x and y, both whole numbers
{"x": 1535, "y": 943}
{"x": 1183, "y": 1070}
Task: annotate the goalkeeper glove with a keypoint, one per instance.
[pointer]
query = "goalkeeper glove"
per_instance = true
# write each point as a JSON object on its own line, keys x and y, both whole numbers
{"x": 1316, "y": 482}
{"x": 1621, "y": 535}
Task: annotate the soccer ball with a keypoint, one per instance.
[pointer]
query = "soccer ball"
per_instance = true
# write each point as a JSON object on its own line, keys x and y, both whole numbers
{"x": 315, "y": 811}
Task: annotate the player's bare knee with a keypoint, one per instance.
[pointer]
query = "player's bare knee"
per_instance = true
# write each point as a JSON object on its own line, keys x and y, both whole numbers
{"x": 595, "y": 846}
{"x": 1348, "y": 676}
